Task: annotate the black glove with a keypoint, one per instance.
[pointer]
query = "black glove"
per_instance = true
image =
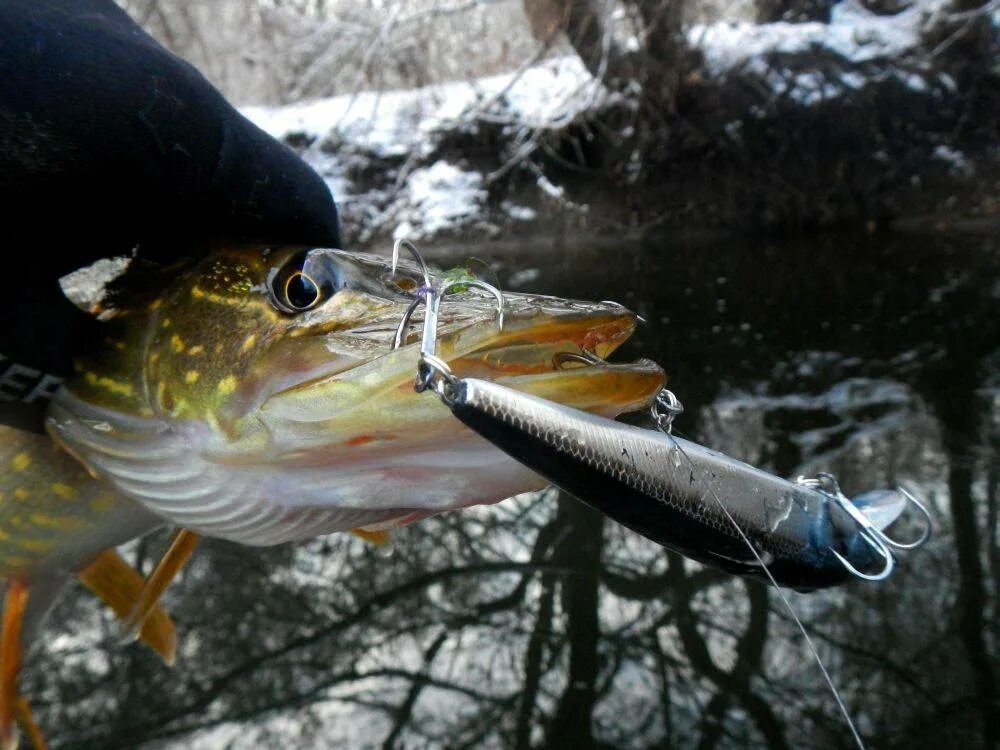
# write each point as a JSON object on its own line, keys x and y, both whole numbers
{"x": 109, "y": 143}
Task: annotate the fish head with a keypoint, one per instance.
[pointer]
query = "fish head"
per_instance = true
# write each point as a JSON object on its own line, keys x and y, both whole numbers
{"x": 258, "y": 396}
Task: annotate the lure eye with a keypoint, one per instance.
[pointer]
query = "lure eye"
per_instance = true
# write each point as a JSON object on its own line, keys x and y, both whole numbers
{"x": 302, "y": 283}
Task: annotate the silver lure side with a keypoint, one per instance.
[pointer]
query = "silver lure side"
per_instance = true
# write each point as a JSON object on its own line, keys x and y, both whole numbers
{"x": 672, "y": 491}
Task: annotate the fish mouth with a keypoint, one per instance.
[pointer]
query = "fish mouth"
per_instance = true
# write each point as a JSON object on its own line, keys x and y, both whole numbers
{"x": 390, "y": 450}
{"x": 549, "y": 347}
{"x": 564, "y": 360}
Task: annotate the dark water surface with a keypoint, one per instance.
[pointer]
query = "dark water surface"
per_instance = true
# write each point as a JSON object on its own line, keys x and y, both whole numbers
{"x": 537, "y": 623}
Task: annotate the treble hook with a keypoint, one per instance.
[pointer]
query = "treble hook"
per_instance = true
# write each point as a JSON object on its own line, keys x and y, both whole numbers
{"x": 477, "y": 284}
{"x": 430, "y": 364}
{"x": 880, "y": 542}
{"x": 404, "y": 324}
{"x": 416, "y": 254}
{"x": 424, "y": 293}
{"x": 876, "y": 544}
{"x": 431, "y": 298}
{"x": 432, "y": 371}
{"x": 559, "y": 359}
{"x": 871, "y": 534}
{"x": 924, "y": 535}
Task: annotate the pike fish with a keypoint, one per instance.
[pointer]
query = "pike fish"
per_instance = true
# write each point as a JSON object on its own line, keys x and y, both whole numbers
{"x": 258, "y": 398}
{"x": 255, "y": 396}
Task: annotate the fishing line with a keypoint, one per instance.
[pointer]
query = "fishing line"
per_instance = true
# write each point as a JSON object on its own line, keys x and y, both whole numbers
{"x": 784, "y": 599}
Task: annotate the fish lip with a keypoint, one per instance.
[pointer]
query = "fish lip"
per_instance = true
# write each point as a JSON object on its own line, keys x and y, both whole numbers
{"x": 552, "y": 326}
{"x": 535, "y": 328}
{"x": 374, "y": 399}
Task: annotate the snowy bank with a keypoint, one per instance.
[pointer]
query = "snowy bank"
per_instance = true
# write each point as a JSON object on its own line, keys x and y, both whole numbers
{"x": 854, "y": 33}
{"x": 399, "y": 123}
{"x": 398, "y": 132}
{"x": 481, "y": 158}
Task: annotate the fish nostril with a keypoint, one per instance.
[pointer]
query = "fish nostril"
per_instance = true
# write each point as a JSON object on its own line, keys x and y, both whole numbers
{"x": 403, "y": 283}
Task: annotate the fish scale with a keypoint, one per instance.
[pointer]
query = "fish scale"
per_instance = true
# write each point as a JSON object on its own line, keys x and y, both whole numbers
{"x": 53, "y": 514}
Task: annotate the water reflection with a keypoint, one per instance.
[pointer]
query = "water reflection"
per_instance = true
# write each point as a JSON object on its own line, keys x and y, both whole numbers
{"x": 536, "y": 623}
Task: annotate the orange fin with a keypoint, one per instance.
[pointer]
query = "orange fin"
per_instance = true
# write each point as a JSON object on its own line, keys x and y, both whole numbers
{"x": 28, "y": 725}
{"x": 148, "y": 600}
{"x": 14, "y": 606}
{"x": 380, "y": 537}
{"x": 120, "y": 587}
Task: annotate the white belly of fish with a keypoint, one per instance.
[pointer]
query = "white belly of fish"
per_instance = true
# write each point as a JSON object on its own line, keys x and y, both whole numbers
{"x": 171, "y": 469}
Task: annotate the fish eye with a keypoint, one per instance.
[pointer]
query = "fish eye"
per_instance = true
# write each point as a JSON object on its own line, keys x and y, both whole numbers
{"x": 301, "y": 283}
{"x": 301, "y": 292}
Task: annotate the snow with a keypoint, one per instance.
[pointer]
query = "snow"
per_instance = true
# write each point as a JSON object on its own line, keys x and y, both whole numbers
{"x": 807, "y": 88}
{"x": 395, "y": 123}
{"x": 394, "y": 135}
{"x": 518, "y": 213}
{"x": 402, "y": 126}
{"x": 954, "y": 158}
{"x": 524, "y": 276}
{"x": 853, "y": 32}
{"x": 438, "y": 197}
{"x": 553, "y": 91}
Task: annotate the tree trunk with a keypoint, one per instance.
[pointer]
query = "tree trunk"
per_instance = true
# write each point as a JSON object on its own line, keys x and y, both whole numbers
{"x": 571, "y": 726}
{"x": 659, "y": 67}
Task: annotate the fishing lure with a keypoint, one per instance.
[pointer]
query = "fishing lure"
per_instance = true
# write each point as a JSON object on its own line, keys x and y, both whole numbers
{"x": 686, "y": 497}
{"x": 704, "y": 504}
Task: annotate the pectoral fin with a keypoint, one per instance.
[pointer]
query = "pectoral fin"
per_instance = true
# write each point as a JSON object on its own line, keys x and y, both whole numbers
{"x": 28, "y": 725}
{"x": 14, "y": 607}
{"x": 380, "y": 537}
{"x": 147, "y": 602}
{"x": 121, "y": 588}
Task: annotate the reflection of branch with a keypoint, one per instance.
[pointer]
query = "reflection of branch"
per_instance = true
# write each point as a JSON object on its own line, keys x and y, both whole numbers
{"x": 365, "y": 610}
{"x": 320, "y": 690}
{"x": 712, "y": 722}
{"x": 635, "y": 588}
{"x": 404, "y": 712}
{"x": 533, "y": 664}
{"x": 748, "y": 659}
{"x": 640, "y": 588}
{"x": 992, "y": 513}
{"x": 663, "y": 672}
{"x": 881, "y": 658}
{"x": 571, "y": 724}
{"x": 956, "y": 413}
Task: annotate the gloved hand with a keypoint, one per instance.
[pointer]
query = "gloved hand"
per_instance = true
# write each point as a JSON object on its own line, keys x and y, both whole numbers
{"x": 108, "y": 144}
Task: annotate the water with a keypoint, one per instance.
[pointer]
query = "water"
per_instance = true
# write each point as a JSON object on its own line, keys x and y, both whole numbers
{"x": 536, "y": 622}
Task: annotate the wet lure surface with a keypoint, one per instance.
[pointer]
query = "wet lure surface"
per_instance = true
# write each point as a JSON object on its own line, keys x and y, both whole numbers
{"x": 696, "y": 501}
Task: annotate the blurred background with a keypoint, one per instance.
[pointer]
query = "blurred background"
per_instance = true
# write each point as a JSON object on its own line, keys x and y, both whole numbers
{"x": 612, "y": 116}
{"x": 278, "y": 52}
{"x": 800, "y": 197}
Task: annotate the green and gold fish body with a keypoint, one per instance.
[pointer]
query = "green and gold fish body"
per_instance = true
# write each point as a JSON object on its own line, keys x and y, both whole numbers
{"x": 54, "y": 516}
{"x": 58, "y": 522}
